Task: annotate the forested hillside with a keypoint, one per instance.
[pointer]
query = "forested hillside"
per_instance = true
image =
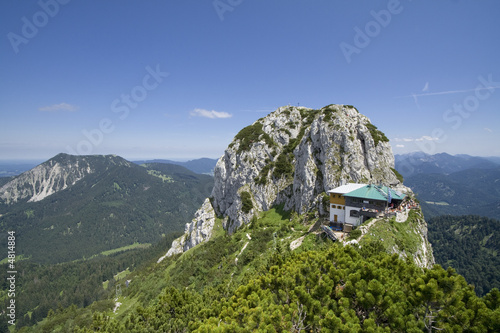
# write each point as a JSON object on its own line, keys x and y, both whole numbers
{"x": 252, "y": 280}
{"x": 45, "y": 288}
{"x": 331, "y": 289}
{"x": 469, "y": 244}
{"x": 472, "y": 191}
{"x": 75, "y": 244}
{"x": 117, "y": 205}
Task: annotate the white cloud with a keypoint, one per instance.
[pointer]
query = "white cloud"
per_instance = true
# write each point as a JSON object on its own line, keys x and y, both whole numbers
{"x": 427, "y": 138}
{"x": 59, "y": 107}
{"x": 488, "y": 129}
{"x": 210, "y": 114}
{"x": 400, "y": 146}
{"x": 404, "y": 140}
{"x": 423, "y": 138}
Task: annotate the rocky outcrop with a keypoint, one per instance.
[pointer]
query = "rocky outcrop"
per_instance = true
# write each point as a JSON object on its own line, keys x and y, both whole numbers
{"x": 52, "y": 176}
{"x": 292, "y": 157}
{"x": 424, "y": 256}
{"x": 199, "y": 230}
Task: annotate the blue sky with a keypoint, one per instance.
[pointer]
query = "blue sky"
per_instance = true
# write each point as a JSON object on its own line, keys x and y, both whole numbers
{"x": 178, "y": 79}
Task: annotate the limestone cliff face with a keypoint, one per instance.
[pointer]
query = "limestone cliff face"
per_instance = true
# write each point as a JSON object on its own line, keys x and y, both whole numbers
{"x": 50, "y": 177}
{"x": 291, "y": 157}
{"x": 199, "y": 230}
{"x": 424, "y": 256}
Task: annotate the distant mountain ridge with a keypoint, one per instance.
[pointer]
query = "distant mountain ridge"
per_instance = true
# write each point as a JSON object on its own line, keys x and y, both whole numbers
{"x": 54, "y": 175}
{"x": 200, "y": 165}
{"x": 453, "y": 184}
{"x": 71, "y": 207}
{"x": 471, "y": 191}
{"x": 442, "y": 163}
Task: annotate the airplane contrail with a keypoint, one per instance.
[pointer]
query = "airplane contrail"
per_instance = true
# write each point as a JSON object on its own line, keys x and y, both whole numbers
{"x": 447, "y": 92}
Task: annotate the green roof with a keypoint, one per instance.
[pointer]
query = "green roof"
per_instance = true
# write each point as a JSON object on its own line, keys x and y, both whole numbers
{"x": 375, "y": 192}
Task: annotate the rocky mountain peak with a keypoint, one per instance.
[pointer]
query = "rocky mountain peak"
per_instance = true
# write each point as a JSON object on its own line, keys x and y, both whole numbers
{"x": 54, "y": 175}
{"x": 292, "y": 157}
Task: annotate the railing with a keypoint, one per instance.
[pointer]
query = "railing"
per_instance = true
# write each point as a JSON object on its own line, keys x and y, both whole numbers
{"x": 329, "y": 232}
